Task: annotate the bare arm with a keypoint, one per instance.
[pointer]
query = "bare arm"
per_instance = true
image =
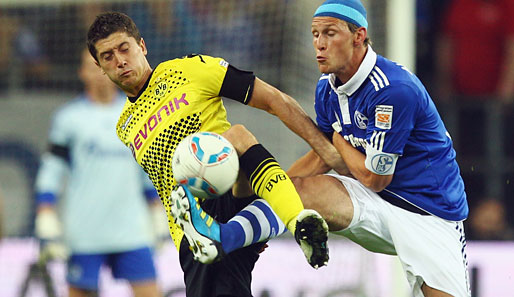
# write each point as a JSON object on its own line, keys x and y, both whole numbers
{"x": 355, "y": 160}
{"x": 308, "y": 165}
{"x": 289, "y": 111}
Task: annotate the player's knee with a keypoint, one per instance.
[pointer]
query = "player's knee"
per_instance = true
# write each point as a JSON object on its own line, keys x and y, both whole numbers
{"x": 240, "y": 137}
{"x": 300, "y": 185}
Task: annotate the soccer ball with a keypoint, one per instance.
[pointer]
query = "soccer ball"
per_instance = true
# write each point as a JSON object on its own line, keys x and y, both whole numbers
{"x": 206, "y": 163}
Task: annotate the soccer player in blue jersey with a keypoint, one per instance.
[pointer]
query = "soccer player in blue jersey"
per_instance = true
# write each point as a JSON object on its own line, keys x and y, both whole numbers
{"x": 402, "y": 193}
{"x": 109, "y": 205}
{"x": 405, "y": 195}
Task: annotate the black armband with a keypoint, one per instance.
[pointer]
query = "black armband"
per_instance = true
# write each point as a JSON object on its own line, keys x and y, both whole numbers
{"x": 60, "y": 151}
{"x": 238, "y": 85}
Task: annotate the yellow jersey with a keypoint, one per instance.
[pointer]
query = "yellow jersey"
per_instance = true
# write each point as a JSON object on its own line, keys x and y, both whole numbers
{"x": 182, "y": 96}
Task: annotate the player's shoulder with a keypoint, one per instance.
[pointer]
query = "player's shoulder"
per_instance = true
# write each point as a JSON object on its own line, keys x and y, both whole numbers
{"x": 72, "y": 107}
{"x": 390, "y": 83}
{"x": 196, "y": 60}
{"x": 389, "y": 73}
{"x": 323, "y": 86}
{"x": 323, "y": 82}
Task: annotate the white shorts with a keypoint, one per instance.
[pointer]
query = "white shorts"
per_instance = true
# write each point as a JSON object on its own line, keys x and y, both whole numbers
{"x": 430, "y": 249}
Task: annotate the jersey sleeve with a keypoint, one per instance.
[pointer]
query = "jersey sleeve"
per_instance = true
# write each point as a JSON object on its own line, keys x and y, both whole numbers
{"x": 60, "y": 134}
{"x": 391, "y": 120}
{"x": 321, "y": 109}
{"x": 208, "y": 73}
{"x": 54, "y": 163}
{"x": 238, "y": 85}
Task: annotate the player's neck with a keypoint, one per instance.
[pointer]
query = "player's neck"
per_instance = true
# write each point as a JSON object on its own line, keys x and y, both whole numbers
{"x": 136, "y": 90}
{"x": 348, "y": 72}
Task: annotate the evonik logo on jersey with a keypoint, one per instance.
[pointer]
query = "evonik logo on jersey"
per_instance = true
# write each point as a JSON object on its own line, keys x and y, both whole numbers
{"x": 155, "y": 119}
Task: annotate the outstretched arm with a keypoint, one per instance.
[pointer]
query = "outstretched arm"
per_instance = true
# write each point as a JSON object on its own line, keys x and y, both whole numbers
{"x": 309, "y": 164}
{"x": 289, "y": 111}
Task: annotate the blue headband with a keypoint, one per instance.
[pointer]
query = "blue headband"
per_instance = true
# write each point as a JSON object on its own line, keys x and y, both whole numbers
{"x": 351, "y": 11}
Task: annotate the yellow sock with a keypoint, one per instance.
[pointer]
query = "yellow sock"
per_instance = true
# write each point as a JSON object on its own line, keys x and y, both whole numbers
{"x": 271, "y": 182}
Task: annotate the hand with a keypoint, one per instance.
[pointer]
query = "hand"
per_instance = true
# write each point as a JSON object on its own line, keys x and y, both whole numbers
{"x": 160, "y": 225}
{"x": 49, "y": 232}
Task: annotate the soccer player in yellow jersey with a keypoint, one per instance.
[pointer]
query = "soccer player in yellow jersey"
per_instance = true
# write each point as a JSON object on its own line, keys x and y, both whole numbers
{"x": 183, "y": 96}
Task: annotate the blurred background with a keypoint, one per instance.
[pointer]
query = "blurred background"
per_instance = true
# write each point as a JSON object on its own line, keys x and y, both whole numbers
{"x": 462, "y": 50}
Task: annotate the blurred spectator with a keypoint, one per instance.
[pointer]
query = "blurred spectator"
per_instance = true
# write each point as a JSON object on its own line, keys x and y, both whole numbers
{"x": 229, "y": 30}
{"x": 474, "y": 84}
{"x": 106, "y": 219}
{"x": 488, "y": 221}
{"x": 476, "y": 50}
{"x": 22, "y": 61}
{"x": 62, "y": 31}
{"x": 428, "y": 18}
{"x": 169, "y": 28}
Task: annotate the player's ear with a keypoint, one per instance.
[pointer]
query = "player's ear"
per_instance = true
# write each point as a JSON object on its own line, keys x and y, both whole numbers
{"x": 143, "y": 46}
{"x": 359, "y": 36}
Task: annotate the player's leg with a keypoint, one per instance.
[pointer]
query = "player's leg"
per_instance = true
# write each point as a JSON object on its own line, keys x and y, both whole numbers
{"x": 144, "y": 289}
{"x": 432, "y": 252}
{"x": 430, "y": 249}
{"x": 82, "y": 274}
{"x": 210, "y": 240}
{"x": 328, "y": 196}
{"x": 137, "y": 267}
{"x": 267, "y": 179}
{"x": 431, "y": 292}
{"x": 78, "y": 292}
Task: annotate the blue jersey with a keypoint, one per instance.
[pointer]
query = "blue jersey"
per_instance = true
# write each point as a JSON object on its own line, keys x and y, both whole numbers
{"x": 385, "y": 112}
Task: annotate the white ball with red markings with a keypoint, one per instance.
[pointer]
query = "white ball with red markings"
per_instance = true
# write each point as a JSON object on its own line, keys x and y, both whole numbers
{"x": 206, "y": 163}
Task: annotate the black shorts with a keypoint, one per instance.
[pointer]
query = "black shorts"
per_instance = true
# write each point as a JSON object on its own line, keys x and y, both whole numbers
{"x": 232, "y": 275}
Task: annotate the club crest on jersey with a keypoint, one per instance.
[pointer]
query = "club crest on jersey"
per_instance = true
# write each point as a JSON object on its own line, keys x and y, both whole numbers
{"x": 161, "y": 89}
{"x": 383, "y": 116}
{"x": 360, "y": 120}
{"x": 382, "y": 163}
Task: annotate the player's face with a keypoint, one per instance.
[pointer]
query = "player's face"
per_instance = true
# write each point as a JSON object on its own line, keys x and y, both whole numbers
{"x": 123, "y": 59}
{"x": 334, "y": 45}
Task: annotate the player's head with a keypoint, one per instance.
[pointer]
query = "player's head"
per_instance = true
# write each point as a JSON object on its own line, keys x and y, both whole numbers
{"x": 108, "y": 23}
{"x": 339, "y": 29}
{"x": 116, "y": 44}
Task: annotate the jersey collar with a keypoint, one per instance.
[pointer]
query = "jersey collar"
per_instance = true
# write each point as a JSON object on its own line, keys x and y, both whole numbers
{"x": 358, "y": 78}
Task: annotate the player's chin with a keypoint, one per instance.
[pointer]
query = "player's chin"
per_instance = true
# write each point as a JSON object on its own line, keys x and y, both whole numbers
{"x": 323, "y": 68}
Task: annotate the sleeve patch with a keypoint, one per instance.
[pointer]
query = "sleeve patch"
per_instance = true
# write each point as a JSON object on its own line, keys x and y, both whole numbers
{"x": 224, "y": 63}
{"x": 379, "y": 162}
{"x": 383, "y": 116}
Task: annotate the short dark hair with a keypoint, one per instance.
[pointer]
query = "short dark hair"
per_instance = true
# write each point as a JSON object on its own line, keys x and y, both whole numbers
{"x": 107, "y": 23}
{"x": 353, "y": 28}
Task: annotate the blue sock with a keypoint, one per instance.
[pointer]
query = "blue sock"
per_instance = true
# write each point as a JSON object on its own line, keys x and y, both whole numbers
{"x": 255, "y": 223}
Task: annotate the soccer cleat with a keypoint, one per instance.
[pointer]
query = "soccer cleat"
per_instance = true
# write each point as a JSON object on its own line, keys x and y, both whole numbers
{"x": 312, "y": 234}
{"x": 200, "y": 229}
